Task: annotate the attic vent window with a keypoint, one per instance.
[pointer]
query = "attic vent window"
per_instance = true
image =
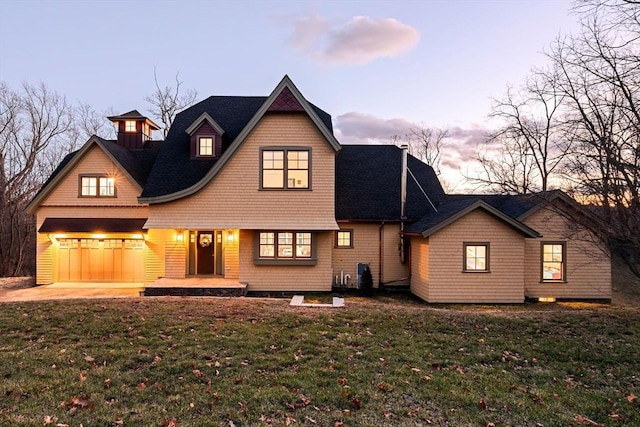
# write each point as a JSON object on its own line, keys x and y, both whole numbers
{"x": 130, "y": 126}
{"x": 205, "y": 146}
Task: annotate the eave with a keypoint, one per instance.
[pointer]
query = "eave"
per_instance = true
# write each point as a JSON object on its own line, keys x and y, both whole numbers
{"x": 480, "y": 204}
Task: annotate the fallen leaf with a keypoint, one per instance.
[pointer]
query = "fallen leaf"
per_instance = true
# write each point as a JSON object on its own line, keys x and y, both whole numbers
{"x": 49, "y": 419}
{"x": 141, "y": 386}
{"x": 631, "y": 398}
{"x": 89, "y": 359}
{"x": 356, "y": 403}
{"x": 82, "y": 376}
{"x": 106, "y": 383}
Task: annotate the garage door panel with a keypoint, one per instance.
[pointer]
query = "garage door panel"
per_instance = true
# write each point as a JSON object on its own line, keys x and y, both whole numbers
{"x": 100, "y": 260}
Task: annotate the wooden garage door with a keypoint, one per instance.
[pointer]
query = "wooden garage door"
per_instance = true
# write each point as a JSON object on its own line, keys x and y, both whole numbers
{"x": 100, "y": 260}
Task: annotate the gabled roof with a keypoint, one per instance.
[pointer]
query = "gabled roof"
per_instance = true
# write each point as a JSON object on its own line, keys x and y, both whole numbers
{"x": 176, "y": 174}
{"x": 205, "y": 117}
{"x": 368, "y": 181}
{"x": 452, "y": 210}
{"x": 134, "y": 164}
{"x": 520, "y": 206}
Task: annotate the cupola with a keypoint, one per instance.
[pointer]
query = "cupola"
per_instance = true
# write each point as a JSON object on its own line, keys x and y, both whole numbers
{"x": 134, "y": 129}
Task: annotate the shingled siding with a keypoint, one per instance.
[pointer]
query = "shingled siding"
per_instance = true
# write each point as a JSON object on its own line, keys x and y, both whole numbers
{"x": 274, "y": 278}
{"x": 95, "y": 162}
{"x": 233, "y": 199}
{"x": 365, "y": 240}
{"x": 588, "y": 267}
{"x": 503, "y": 284}
{"x": 393, "y": 269}
{"x": 154, "y": 258}
{"x": 231, "y": 255}
{"x": 420, "y": 267}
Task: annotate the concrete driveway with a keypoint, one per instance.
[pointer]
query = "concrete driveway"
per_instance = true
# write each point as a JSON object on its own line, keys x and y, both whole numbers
{"x": 58, "y": 291}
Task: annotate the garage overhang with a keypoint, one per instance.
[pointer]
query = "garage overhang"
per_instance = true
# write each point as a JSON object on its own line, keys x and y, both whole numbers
{"x": 93, "y": 225}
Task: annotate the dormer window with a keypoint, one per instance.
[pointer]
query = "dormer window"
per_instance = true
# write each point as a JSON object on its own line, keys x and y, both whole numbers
{"x": 205, "y": 146}
{"x": 130, "y": 126}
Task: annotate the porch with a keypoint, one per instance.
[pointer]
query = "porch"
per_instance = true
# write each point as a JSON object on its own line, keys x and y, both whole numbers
{"x": 195, "y": 286}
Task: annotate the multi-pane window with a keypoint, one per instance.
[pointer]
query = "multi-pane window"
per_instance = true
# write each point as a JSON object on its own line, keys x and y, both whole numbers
{"x": 285, "y": 169}
{"x": 476, "y": 257}
{"x": 97, "y": 186}
{"x": 285, "y": 245}
{"x": 554, "y": 261}
{"x": 205, "y": 146}
{"x": 130, "y": 126}
{"x": 343, "y": 239}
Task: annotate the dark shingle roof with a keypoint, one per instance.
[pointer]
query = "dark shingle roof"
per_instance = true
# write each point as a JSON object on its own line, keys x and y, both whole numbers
{"x": 138, "y": 163}
{"x": 368, "y": 184}
{"x": 174, "y": 169}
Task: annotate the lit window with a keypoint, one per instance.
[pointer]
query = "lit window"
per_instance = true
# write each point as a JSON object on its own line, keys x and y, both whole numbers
{"x": 476, "y": 257}
{"x": 89, "y": 186}
{"x": 130, "y": 126}
{"x": 285, "y": 245}
{"x": 107, "y": 186}
{"x": 205, "y": 147}
{"x": 554, "y": 261}
{"x": 292, "y": 173}
{"x": 97, "y": 186}
{"x": 343, "y": 239}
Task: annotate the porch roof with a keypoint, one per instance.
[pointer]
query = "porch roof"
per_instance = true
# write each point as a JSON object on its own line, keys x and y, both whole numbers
{"x": 92, "y": 225}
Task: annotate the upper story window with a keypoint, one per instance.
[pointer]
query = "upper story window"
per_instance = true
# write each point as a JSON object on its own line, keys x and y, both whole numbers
{"x": 476, "y": 257}
{"x": 205, "y": 146}
{"x": 344, "y": 239}
{"x": 554, "y": 262}
{"x": 97, "y": 186}
{"x": 130, "y": 126}
{"x": 286, "y": 168}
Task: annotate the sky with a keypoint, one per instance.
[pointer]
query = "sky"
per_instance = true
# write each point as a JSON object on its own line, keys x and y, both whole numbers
{"x": 378, "y": 67}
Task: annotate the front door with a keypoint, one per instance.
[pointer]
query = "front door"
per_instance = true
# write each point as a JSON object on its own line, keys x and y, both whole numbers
{"x": 205, "y": 244}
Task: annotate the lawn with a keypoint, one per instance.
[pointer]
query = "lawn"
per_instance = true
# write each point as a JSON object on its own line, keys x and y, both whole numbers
{"x": 259, "y": 362}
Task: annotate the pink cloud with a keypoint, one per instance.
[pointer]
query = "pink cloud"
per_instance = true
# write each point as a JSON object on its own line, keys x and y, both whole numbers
{"x": 358, "y": 41}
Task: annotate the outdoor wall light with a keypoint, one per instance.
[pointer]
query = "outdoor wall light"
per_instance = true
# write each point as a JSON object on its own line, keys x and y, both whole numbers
{"x": 179, "y": 236}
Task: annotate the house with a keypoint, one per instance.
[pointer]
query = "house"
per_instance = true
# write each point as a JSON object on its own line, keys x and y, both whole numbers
{"x": 259, "y": 191}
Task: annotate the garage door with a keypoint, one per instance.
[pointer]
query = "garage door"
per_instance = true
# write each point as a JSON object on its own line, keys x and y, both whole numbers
{"x": 100, "y": 260}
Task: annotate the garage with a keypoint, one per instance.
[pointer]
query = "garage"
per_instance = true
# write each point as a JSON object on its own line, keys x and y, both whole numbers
{"x": 101, "y": 260}
{"x": 97, "y": 249}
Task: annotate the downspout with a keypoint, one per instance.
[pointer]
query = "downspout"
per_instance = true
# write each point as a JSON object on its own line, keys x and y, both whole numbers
{"x": 403, "y": 199}
{"x": 380, "y": 253}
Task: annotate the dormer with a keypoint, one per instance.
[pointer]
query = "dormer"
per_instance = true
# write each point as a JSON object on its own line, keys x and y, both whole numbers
{"x": 134, "y": 129}
{"x": 205, "y": 137}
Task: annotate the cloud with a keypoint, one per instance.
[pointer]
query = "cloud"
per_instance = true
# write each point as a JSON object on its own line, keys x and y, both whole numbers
{"x": 359, "y": 128}
{"x": 462, "y": 145}
{"x": 358, "y": 41}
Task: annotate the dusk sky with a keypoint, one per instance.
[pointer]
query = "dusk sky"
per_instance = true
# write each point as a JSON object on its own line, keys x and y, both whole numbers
{"x": 377, "y": 67}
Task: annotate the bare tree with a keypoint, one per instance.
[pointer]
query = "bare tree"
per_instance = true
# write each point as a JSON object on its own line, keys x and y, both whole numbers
{"x": 167, "y": 101}
{"x": 599, "y": 77}
{"x": 528, "y": 149}
{"x": 36, "y": 127}
{"x": 425, "y": 143}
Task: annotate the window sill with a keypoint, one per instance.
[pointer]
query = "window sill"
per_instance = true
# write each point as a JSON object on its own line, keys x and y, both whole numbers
{"x": 552, "y": 281}
{"x": 284, "y": 189}
{"x": 262, "y": 261}
{"x": 476, "y": 271}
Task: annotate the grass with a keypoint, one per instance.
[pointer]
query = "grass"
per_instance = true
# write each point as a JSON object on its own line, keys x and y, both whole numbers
{"x": 255, "y": 362}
